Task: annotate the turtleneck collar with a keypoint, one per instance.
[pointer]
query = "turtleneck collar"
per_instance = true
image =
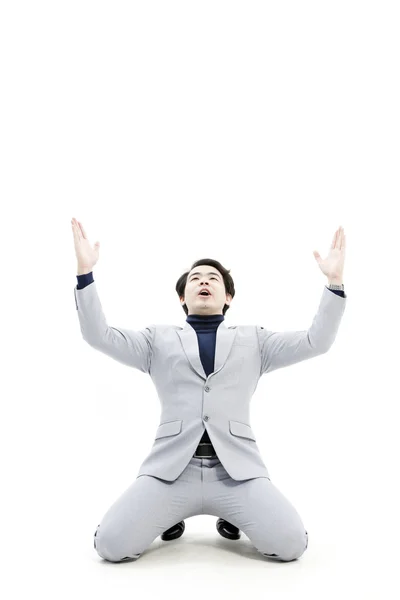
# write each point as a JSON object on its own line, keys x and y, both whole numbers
{"x": 204, "y": 321}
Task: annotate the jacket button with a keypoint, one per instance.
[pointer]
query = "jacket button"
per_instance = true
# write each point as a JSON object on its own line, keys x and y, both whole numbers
{"x": 206, "y": 417}
{"x": 207, "y": 389}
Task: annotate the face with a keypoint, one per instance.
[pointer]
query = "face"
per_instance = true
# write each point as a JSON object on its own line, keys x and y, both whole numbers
{"x": 208, "y": 278}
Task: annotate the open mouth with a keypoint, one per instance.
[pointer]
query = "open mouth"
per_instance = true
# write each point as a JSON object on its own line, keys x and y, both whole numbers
{"x": 205, "y": 294}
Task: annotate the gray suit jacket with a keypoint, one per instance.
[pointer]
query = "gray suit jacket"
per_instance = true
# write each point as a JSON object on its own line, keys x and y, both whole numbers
{"x": 191, "y": 401}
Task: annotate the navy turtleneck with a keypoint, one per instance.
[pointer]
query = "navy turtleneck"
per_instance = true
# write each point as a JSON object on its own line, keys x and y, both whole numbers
{"x": 205, "y": 327}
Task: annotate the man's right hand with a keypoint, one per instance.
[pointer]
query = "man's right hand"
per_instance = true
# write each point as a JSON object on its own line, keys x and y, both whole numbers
{"x": 86, "y": 256}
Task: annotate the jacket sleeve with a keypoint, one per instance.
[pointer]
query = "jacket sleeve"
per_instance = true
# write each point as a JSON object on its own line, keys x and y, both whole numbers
{"x": 284, "y": 348}
{"x": 131, "y": 348}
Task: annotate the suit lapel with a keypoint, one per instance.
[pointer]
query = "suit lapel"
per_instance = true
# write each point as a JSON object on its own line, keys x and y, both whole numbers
{"x": 223, "y": 345}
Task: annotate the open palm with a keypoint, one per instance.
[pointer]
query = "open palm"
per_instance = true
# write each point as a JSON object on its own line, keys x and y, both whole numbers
{"x": 87, "y": 255}
{"x": 332, "y": 266}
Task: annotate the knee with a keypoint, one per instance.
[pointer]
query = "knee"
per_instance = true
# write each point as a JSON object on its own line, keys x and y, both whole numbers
{"x": 291, "y": 546}
{"x": 108, "y": 546}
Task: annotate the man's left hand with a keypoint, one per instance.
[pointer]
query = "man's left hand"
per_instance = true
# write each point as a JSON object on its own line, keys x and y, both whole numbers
{"x": 332, "y": 266}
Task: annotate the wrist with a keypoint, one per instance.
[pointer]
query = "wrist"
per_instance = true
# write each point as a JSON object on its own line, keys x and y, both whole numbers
{"x": 335, "y": 280}
{"x": 84, "y": 270}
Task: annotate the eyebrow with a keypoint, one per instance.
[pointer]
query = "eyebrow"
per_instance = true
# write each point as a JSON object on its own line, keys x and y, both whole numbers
{"x": 210, "y": 273}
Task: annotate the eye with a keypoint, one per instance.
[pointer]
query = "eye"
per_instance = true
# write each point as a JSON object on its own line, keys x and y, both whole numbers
{"x": 193, "y": 278}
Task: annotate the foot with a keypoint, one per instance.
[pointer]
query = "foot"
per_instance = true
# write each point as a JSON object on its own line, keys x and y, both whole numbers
{"x": 228, "y": 530}
{"x": 173, "y": 532}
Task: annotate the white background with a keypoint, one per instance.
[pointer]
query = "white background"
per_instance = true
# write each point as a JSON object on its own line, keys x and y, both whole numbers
{"x": 241, "y": 131}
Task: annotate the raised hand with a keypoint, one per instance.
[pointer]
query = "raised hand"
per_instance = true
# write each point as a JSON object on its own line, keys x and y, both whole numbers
{"x": 86, "y": 255}
{"x": 332, "y": 266}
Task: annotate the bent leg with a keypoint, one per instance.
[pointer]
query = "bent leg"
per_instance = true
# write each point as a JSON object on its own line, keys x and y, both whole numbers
{"x": 264, "y": 514}
{"x": 144, "y": 511}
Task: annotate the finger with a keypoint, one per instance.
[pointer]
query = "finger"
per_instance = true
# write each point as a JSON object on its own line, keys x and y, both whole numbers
{"x": 73, "y": 223}
{"x": 317, "y": 256}
{"x": 334, "y": 239}
{"x": 83, "y": 231}
{"x": 76, "y": 230}
{"x": 341, "y": 238}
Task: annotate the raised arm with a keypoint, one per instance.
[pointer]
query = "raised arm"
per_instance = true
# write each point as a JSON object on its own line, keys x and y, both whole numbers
{"x": 283, "y": 348}
{"x": 131, "y": 348}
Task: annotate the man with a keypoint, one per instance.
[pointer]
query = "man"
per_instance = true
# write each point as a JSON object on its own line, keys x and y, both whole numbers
{"x": 205, "y": 459}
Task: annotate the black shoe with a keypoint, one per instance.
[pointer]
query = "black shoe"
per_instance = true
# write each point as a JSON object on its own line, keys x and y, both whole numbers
{"x": 173, "y": 532}
{"x": 228, "y": 530}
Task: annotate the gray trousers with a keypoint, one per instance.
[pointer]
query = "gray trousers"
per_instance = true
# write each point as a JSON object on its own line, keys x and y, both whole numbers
{"x": 150, "y": 506}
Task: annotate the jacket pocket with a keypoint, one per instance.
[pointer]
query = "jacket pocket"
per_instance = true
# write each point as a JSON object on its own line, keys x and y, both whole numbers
{"x": 241, "y": 430}
{"x": 169, "y": 428}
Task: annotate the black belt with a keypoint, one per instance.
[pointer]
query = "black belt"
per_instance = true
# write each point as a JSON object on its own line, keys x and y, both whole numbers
{"x": 205, "y": 450}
